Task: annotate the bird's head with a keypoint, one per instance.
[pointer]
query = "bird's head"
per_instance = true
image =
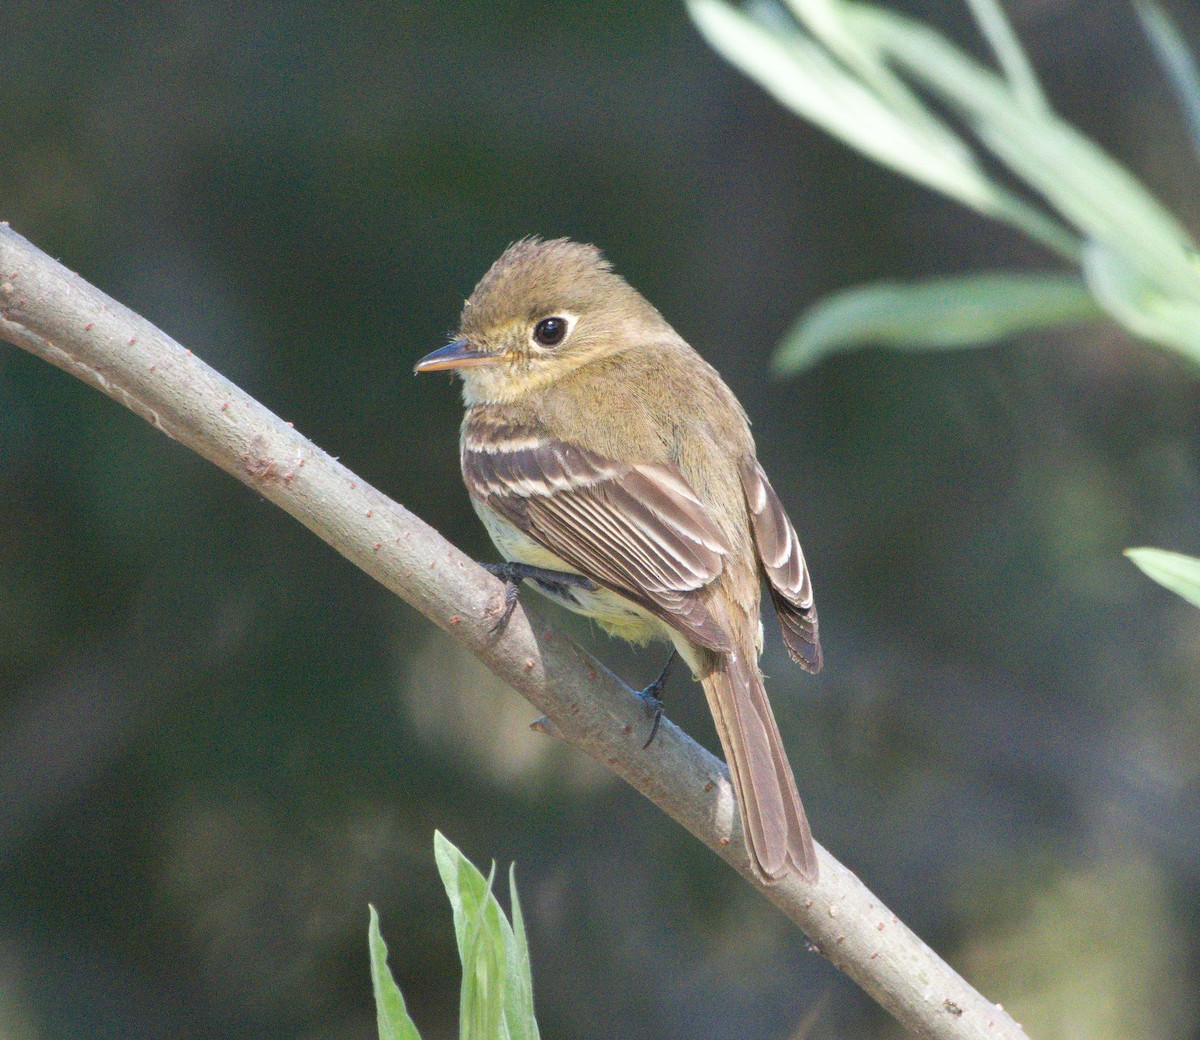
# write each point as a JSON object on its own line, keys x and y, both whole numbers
{"x": 542, "y": 311}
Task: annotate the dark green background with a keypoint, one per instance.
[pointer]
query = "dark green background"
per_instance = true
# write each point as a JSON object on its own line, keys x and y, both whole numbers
{"x": 219, "y": 741}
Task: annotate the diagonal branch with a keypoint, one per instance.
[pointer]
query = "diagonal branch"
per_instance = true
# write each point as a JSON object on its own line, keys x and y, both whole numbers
{"x": 55, "y": 314}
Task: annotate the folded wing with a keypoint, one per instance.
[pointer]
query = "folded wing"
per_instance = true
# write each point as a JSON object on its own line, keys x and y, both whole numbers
{"x": 783, "y": 563}
{"x": 636, "y": 529}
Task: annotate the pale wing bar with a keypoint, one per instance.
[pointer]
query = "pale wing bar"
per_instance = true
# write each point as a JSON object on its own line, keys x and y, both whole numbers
{"x": 638, "y": 530}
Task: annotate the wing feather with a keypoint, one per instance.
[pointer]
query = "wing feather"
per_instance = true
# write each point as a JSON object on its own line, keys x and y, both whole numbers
{"x": 636, "y": 529}
{"x": 783, "y": 563}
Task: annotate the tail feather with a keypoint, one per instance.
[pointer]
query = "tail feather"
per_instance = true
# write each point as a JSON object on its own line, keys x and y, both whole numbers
{"x": 773, "y": 819}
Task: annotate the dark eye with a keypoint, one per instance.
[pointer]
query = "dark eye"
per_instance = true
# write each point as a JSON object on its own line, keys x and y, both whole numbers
{"x": 549, "y": 332}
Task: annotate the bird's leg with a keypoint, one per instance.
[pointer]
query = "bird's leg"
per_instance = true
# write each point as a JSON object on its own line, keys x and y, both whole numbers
{"x": 513, "y": 573}
{"x": 653, "y": 696}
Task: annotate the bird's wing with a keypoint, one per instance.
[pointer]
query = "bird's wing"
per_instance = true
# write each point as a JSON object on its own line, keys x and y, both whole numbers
{"x": 636, "y": 529}
{"x": 783, "y": 563}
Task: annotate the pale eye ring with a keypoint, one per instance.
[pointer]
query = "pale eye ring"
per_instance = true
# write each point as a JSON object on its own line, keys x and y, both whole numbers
{"x": 550, "y": 332}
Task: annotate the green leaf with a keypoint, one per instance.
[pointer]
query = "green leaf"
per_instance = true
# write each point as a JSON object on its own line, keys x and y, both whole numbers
{"x": 1177, "y": 59}
{"x": 1172, "y": 570}
{"x": 481, "y": 1012}
{"x": 841, "y": 82}
{"x": 1089, "y": 188}
{"x": 1012, "y": 58}
{"x": 496, "y": 1001}
{"x": 1139, "y": 305}
{"x": 844, "y": 74}
{"x": 484, "y": 987}
{"x": 827, "y": 22}
{"x": 808, "y": 80}
{"x": 939, "y": 314}
{"x": 390, "y": 1012}
{"x": 522, "y": 1023}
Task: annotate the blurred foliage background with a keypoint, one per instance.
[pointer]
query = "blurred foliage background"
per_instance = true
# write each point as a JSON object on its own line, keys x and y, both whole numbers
{"x": 218, "y": 740}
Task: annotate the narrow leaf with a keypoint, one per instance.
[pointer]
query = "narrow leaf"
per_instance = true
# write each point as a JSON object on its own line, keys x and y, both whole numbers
{"x": 1093, "y": 191}
{"x": 826, "y": 21}
{"x": 1140, "y": 305}
{"x": 808, "y": 80}
{"x": 484, "y": 987}
{"x": 1172, "y": 570}
{"x": 496, "y": 1001}
{"x": 480, "y": 1002}
{"x": 1179, "y": 62}
{"x": 1003, "y": 41}
{"x": 939, "y": 314}
{"x": 521, "y": 1021}
{"x": 464, "y": 885}
{"x": 860, "y": 100}
{"x": 390, "y": 1012}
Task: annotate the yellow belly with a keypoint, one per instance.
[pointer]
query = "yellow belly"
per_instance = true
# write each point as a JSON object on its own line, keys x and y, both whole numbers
{"x": 614, "y": 613}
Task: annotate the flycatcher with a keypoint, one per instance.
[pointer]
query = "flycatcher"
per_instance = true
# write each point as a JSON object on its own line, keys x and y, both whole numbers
{"x": 615, "y": 470}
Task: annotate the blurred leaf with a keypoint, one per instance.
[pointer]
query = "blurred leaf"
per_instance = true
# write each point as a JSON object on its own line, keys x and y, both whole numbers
{"x": 497, "y": 991}
{"x": 1007, "y": 48}
{"x": 860, "y": 100}
{"x": 1139, "y": 262}
{"x": 1139, "y": 305}
{"x": 804, "y": 77}
{"x": 826, "y": 21}
{"x": 940, "y": 314}
{"x": 1098, "y": 195}
{"x": 390, "y": 1012}
{"x": 1172, "y": 570}
{"x": 1177, "y": 59}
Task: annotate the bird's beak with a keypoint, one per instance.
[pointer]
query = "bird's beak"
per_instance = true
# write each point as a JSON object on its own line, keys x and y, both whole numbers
{"x": 459, "y": 354}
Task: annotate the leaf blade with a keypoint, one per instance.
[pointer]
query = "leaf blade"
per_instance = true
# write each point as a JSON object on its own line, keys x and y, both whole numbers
{"x": 1174, "y": 571}
{"x": 1008, "y": 51}
{"x": 804, "y": 77}
{"x": 391, "y": 1014}
{"x": 1139, "y": 305}
{"x": 1087, "y": 186}
{"x": 522, "y": 1023}
{"x": 496, "y": 1000}
{"x": 1180, "y": 64}
{"x": 938, "y": 314}
{"x": 484, "y": 987}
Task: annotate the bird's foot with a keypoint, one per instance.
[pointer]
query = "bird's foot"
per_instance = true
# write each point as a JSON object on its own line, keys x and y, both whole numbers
{"x": 513, "y": 574}
{"x": 652, "y": 695}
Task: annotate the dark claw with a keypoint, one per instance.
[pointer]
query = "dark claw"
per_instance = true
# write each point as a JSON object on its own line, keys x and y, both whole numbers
{"x": 653, "y": 697}
{"x": 512, "y": 592}
{"x": 512, "y": 574}
{"x": 656, "y": 706}
{"x": 655, "y": 689}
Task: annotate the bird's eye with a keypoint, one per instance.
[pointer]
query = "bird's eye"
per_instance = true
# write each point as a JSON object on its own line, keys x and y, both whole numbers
{"x": 550, "y": 332}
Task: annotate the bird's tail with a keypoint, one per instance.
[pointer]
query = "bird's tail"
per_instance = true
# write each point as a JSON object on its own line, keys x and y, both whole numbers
{"x": 776, "y": 829}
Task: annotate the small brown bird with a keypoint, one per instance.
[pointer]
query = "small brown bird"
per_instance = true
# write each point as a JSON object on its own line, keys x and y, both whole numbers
{"x": 616, "y": 471}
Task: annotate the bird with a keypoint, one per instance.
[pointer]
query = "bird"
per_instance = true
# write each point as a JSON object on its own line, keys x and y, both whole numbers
{"x": 615, "y": 471}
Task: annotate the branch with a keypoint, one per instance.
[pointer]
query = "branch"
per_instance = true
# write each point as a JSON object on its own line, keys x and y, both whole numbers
{"x": 56, "y": 315}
